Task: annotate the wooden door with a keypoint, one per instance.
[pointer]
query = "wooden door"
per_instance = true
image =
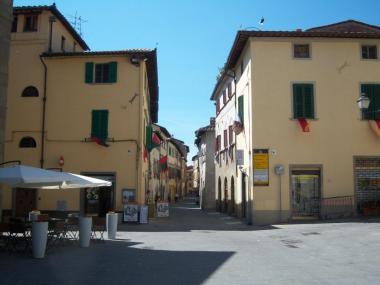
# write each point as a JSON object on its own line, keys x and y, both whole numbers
{"x": 26, "y": 201}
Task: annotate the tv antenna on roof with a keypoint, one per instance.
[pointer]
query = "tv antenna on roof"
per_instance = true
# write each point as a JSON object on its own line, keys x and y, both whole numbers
{"x": 77, "y": 22}
{"x": 261, "y": 23}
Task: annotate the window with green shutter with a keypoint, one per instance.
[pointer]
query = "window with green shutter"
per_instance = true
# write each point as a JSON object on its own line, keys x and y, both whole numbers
{"x": 241, "y": 108}
{"x": 148, "y": 137}
{"x": 303, "y": 101}
{"x": 101, "y": 72}
{"x": 99, "y": 126}
{"x": 372, "y": 91}
{"x": 89, "y": 75}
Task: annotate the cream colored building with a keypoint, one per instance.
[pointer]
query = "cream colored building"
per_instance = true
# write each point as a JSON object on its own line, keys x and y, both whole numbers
{"x": 84, "y": 112}
{"x": 309, "y": 152}
{"x": 228, "y": 200}
{"x": 195, "y": 161}
{"x": 5, "y": 30}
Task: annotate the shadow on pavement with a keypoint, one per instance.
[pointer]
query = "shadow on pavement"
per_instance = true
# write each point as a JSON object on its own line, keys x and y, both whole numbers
{"x": 112, "y": 262}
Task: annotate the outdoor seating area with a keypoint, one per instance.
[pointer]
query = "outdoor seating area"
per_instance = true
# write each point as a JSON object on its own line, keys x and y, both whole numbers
{"x": 16, "y": 233}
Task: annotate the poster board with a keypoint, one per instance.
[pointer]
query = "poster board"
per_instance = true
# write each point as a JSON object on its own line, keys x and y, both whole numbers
{"x": 162, "y": 209}
{"x": 143, "y": 214}
{"x": 131, "y": 213}
{"x": 260, "y": 167}
{"x": 128, "y": 196}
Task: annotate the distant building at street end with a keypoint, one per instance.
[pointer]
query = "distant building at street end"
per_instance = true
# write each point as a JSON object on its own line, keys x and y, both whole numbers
{"x": 205, "y": 141}
{"x": 304, "y": 148}
{"x": 189, "y": 180}
{"x": 195, "y": 161}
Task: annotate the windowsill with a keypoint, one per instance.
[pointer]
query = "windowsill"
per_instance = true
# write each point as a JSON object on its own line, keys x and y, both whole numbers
{"x": 370, "y": 59}
{"x": 302, "y": 58}
{"x": 31, "y": 31}
{"x": 100, "y": 83}
{"x": 309, "y": 119}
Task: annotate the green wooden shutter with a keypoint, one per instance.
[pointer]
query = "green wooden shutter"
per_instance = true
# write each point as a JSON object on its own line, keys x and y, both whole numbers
{"x": 89, "y": 74}
{"x": 241, "y": 108}
{"x": 303, "y": 101}
{"x": 308, "y": 101}
{"x": 113, "y": 72}
{"x": 148, "y": 138}
{"x": 297, "y": 101}
{"x": 372, "y": 91}
{"x": 99, "y": 127}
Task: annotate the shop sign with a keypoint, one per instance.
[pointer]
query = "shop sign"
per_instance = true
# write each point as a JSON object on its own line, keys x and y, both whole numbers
{"x": 260, "y": 167}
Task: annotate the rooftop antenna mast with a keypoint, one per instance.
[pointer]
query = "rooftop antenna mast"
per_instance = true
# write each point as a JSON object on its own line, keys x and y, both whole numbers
{"x": 77, "y": 22}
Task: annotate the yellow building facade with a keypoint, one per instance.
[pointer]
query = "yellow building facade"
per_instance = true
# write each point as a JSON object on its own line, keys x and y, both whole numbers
{"x": 309, "y": 151}
{"x": 84, "y": 112}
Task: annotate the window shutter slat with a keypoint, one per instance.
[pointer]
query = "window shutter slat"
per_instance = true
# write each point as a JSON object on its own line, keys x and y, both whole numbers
{"x": 113, "y": 72}
{"x": 89, "y": 73}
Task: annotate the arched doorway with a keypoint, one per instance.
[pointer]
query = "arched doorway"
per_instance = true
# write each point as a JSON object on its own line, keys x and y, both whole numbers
{"x": 232, "y": 202}
{"x": 219, "y": 199}
{"x": 225, "y": 204}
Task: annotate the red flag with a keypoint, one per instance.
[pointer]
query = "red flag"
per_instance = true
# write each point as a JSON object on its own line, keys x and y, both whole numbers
{"x": 304, "y": 125}
{"x": 164, "y": 163}
{"x": 378, "y": 123}
{"x": 155, "y": 140}
{"x": 100, "y": 141}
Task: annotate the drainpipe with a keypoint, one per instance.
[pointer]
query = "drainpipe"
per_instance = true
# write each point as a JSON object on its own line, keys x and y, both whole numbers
{"x": 42, "y": 157}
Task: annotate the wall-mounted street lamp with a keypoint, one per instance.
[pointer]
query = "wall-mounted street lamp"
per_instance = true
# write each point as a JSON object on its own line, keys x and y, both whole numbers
{"x": 363, "y": 101}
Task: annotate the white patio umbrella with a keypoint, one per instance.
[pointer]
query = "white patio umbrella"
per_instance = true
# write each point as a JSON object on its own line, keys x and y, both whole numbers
{"x": 31, "y": 177}
{"x": 79, "y": 181}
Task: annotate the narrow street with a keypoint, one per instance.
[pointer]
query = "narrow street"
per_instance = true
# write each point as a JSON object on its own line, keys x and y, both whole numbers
{"x": 196, "y": 247}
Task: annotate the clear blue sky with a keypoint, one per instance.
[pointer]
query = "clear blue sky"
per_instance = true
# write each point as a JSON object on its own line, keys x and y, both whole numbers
{"x": 193, "y": 38}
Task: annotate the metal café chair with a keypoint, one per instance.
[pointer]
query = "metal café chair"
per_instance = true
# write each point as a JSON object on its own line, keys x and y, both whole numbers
{"x": 19, "y": 235}
{"x": 98, "y": 228}
{"x": 72, "y": 228}
{"x": 57, "y": 233}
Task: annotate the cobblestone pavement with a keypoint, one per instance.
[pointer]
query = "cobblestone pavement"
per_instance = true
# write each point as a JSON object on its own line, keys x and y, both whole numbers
{"x": 196, "y": 247}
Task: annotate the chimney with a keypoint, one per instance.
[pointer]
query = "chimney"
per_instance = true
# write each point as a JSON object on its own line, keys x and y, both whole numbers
{"x": 298, "y": 30}
{"x": 212, "y": 121}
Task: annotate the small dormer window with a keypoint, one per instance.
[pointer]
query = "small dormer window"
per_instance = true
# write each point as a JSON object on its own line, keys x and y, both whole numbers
{"x": 369, "y": 52}
{"x": 63, "y": 43}
{"x": 30, "y": 23}
{"x": 301, "y": 51}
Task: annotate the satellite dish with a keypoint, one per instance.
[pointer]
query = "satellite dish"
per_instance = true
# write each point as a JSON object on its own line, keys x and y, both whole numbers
{"x": 261, "y": 21}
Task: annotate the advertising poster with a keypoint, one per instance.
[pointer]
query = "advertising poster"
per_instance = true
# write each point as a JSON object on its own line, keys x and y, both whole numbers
{"x": 128, "y": 196}
{"x": 131, "y": 213}
{"x": 162, "y": 209}
{"x": 260, "y": 167}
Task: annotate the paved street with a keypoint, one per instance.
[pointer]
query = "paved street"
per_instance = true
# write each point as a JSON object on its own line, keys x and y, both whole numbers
{"x": 194, "y": 247}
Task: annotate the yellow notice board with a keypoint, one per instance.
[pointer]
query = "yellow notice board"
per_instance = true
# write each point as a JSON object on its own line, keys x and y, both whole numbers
{"x": 260, "y": 167}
